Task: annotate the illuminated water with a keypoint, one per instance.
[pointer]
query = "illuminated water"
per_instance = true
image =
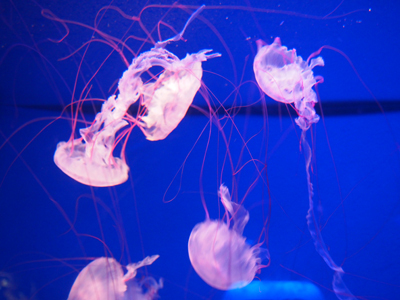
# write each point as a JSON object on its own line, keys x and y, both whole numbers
{"x": 356, "y": 175}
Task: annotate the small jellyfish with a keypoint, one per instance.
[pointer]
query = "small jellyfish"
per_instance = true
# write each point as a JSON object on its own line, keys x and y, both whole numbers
{"x": 165, "y": 101}
{"x": 286, "y": 78}
{"x": 104, "y": 279}
{"x": 219, "y": 252}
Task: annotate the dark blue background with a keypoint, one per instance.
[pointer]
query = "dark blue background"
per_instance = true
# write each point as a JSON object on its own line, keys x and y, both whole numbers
{"x": 356, "y": 147}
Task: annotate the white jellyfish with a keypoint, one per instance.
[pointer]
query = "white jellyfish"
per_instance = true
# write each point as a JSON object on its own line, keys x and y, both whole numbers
{"x": 219, "y": 252}
{"x": 104, "y": 279}
{"x": 165, "y": 101}
{"x": 286, "y": 78}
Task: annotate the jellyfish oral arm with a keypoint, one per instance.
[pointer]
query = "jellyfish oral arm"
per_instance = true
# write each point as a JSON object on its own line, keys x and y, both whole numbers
{"x": 339, "y": 287}
{"x": 239, "y": 214}
{"x": 132, "y": 268}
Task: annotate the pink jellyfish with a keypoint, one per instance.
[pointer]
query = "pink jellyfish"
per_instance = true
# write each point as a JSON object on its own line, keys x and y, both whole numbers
{"x": 165, "y": 101}
{"x": 286, "y": 78}
{"x": 104, "y": 279}
{"x": 219, "y": 252}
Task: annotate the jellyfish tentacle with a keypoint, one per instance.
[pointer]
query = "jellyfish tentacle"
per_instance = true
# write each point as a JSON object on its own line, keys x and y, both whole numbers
{"x": 177, "y": 37}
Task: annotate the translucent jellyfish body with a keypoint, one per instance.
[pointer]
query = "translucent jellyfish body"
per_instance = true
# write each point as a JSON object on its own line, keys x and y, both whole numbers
{"x": 104, "y": 279}
{"x": 166, "y": 99}
{"x": 286, "y": 78}
{"x": 218, "y": 251}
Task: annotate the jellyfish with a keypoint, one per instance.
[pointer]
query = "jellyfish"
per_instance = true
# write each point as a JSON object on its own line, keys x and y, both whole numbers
{"x": 286, "y": 78}
{"x": 219, "y": 252}
{"x": 89, "y": 159}
{"x": 104, "y": 279}
{"x": 365, "y": 155}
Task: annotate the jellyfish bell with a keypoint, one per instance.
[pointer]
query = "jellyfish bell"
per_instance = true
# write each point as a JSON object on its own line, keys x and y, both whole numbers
{"x": 104, "y": 278}
{"x": 89, "y": 159}
{"x": 219, "y": 252}
{"x": 287, "y": 78}
{"x": 168, "y": 98}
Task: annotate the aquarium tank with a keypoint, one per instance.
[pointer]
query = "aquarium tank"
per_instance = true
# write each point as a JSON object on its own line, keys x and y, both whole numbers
{"x": 208, "y": 149}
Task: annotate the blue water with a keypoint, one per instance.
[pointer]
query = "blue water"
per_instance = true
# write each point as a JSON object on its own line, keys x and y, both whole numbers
{"x": 356, "y": 171}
